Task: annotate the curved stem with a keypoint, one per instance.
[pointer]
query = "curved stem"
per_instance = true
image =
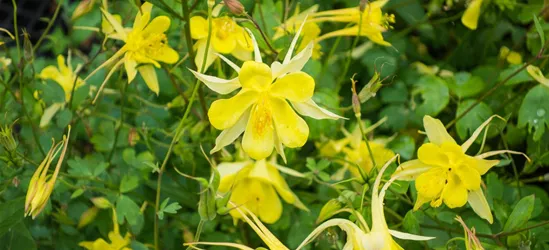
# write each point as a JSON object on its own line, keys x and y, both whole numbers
{"x": 48, "y": 28}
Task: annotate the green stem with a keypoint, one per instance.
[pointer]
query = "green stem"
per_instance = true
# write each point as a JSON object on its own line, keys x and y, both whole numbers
{"x": 121, "y": 123}
{"x": 48, "y": 28}
{"x": 348, "y": 62}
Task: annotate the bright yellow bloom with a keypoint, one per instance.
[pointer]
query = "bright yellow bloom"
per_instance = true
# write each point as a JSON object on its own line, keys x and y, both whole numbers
{"x": 471, "y": 15}
{"x": 145, "y": 47}
{"x": 256, "y": 186}
{"x": 227, "y": 38}
{"x": 64, "y": 75}
{"x": 41, "y": 184}
{"x": 117, "y": 241}
{"x": 444, "y": 173}
{"x": 512, "y": 57}
{"x": 380, "y": 237}
{"x": 310, "y": 33}
{"x": 372, "y": 24}
{"x": 261, "y": 107}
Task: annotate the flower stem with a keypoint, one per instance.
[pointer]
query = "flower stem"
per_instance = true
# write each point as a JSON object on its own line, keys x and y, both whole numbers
{"x": 48, "y": 28}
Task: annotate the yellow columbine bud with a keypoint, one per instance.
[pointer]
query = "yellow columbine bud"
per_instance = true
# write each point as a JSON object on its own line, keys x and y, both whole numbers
{"x": 101, "y": 202}
{"x": 6, "y": 138}
{"x": 235, "y": 7}
{"x": 41, "y": 184}
{"x": 82, "y": 8}
{"x": 87, "y": 217}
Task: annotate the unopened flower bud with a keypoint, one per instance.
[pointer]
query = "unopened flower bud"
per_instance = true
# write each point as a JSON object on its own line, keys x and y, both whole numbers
{"x": 363, "y": 4}
{"x": 235, "y": 7}
{"x": 6, "y": 138}
{"x": 82, "y": 8}
{"x": 87, "y": 217}
{"x": 356, "y": 105}
{"x": 211, "y": 3}
{"x": 101, "y": 202}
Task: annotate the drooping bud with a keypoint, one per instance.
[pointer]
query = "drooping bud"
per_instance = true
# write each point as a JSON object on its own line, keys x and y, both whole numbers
{"x": 235, "y": 7}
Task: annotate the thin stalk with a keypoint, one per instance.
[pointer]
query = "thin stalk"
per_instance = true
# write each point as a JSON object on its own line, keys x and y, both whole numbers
{"x": 48, "y": 28}
{"x": 348, "y": 62}
{"x": 275, "y": 53}
{"x": 120, "y": 124}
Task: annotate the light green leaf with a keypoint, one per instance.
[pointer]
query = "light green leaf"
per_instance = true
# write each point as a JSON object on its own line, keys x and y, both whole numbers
{"x": 129, "y": 183}
{"x": 539, "y": 29}
{"x": 464, "y": 85}
{"x": 472, "y": 120}
{"x": 521, "y": 214}
{"x": 534, "y": 111}
{"x": 434, "y": 93}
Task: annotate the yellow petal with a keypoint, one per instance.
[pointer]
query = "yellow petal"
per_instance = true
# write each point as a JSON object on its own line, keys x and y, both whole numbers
{"x": 292, "y": 130}
{"x": 165, "y": 54}
{"x": 455, "y": 193}
{"x": 244, "y": 40}
{"x": 469, "y": 177}
{"x": 258, "y": 141}
{"x": 260, "y": 198}
{"x": 255, "y": 75}
{"x": 199, "y": 27}
{"x": 471, "y": 15}
{"x": 225, "y": 46}
{"x": 482, "y": 166}
{"x": 431, "y": 183}
{"x": 410, "y": 170}
{"x": 115, "y": 24}
{"x": 269, "y": 174}
{"x": 436, "y": 131}
{"x": 296, "y": 87}
{"x": 158, "y": 25}
{"x": 242, "y": 54}
{"x": 130, "y": 65}
{"x": 478, "y": 202}
{"x": 270, "y": 208}
{"x": 229, "y": 171}
{"x": 149, "y": 75}
{"x": 200, "y": 47}
{"x": 49, "y": 72}
{"x": 224, "y": 113}
{"x": 432, "y": 154}
{"x": 229, "y": 135}
{"x": 420, "y": 201}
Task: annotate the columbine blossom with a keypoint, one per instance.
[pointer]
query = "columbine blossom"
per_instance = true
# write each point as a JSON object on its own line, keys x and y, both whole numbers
{"x": 117, "y": 242}
{"x": 261, "y": 110}
{"x": 227, "y": 38}
{"x": 145, "y": 47}
{"x": 256, "y": 186}
{"x": 41, "y": 183}
{"x": 380, "y": 236}
{"x": 64, "y": 75}
{"x": 472, "y": 14}
{"x": 444, "y": 173}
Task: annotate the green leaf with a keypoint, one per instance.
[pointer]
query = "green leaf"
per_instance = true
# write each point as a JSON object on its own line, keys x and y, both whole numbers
{"x": 534, "y": 111}
{"x": 404, "y": 145}
{"x": 434, "y": 93}
{"x": 129, "y": 183}
{"x": 472, "y": 120}
{"x": 411, "y": 223}
{"x": 539, "y": 29}
{"x": 126, "y": 208}
{"x": 165, "y": 208}
{"x": 521, "y": 214}
{"x": 18, "y": 237}
{"x": 464, "y": 85}
{"x": 520, "y": 77}
{"x": 77, "y": 193}
{"x": 12, "y": 213}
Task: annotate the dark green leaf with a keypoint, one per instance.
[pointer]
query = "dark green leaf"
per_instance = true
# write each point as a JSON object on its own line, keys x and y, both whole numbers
{"x": 521, "y": 214}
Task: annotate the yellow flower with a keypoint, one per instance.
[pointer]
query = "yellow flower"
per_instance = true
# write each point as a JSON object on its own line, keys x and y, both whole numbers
{"x": 471, "y": 15}
{"x": 145, "y": 46}
{"x": 310, "y": 33}
{"x": 227, "y": 38}
{"x": 4, "y": 62}
{"x": 444, "y": 173}
{"x": 261, "y": 107}
{"x": 372, "y": 24}
{"x": 41, "y": 184}
{"x": 512, "y": 57}
{"x": 256, "y": 186}
{"x": 117, "y": 241}
{"x": 64, "y": 75}
{"x": 380, "y": 237}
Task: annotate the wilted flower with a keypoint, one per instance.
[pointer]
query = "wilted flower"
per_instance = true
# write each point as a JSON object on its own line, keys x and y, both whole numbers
{"x": 379, "y": 238}
{"x": 261, "y": 108}
{"x": 256, "y": 186}
{"x": 472, "y": 14}
{"x": 41, "y": 184}
{"x": 444, "y": 173}
{"x": 117, "y": 241}
{"x": 227, "y": 38}
{"x": 145, "y": 46}
{"x": 64, "y": 75}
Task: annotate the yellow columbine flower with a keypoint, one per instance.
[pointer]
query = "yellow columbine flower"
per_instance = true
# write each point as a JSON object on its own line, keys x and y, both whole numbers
{"x": 145, "y": 46}
{"x": 380, "y": 237}
{"x": 311, "y": 31}
{"x": 256, "y": 186}
{"x": 510, "y": 56}
{"x": 117, "y": 241}
{"x": 261, "y": 107}
{"x": 444, "y": 173}
{"x": 64, "y": 75}
{"x": 227, "y": 38}
{"x": 471, "y": 15}
{"x": 373, "y": 23}
{"x": 41, "y": 183}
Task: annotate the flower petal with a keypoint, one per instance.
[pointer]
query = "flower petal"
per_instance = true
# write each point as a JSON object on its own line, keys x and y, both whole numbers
{"x": 49, "y": 72}
{"x": 200, "y": 47}
{"x": 165, "y": 54}
{"x": 471, "y": 15}
{"x": 142, "y": 17}
{"x": 410, "y": 170}
{"x": 229, "y": 135}
{"x": 221, "y": 86}
{"x": 296, "y": 87}
{"x": 432, "y": 154}
{"x": 255, "y": 75}
{"x": 295, "y": 64}
{"x": 431, "y": 183}
{"x": 224, "y": 113}
{"x": 291, "y": 129}
{"x": 258, "y": 140}
{"x": 257, "y": 52}
{"x": 482, "y": 166}
{"x": 469, "y": 176}
{"x": 269, "y": 174}
{"x": 436, "y": 131}
{"x": 225, "y": 46}
{"x": 270, "y": 207}
{"x": 149, "y": 75}
{"x": 288, "y": 56}
{"x": 199, "y": 27}
{"x": 244, "y": 40}
{"x": 478, "y": 202}
{"x": 311, "y": 109}
{"x": 130, "y": 65}
{"x": 228, "y": 172}
{"x": 231, "y": 64}
{"x": 454, "y": 193}
{"x": 477, "y": 132}
{"x": 407, "y": 236}
{"x": 536, "y": 73}
{"x": 115, "y": 24}
{"x": 241, "y": 54}
{"x": 158, "y": 25}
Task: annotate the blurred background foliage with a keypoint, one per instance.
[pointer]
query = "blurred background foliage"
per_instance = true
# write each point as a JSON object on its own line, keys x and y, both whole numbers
{"x": 117, "y": 144}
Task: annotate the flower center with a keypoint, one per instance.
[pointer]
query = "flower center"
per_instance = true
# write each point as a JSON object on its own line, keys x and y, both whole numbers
{"x": 224, "y": 27}
{"x": 149, "y": 44}
{"x": 263, "y": 118}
